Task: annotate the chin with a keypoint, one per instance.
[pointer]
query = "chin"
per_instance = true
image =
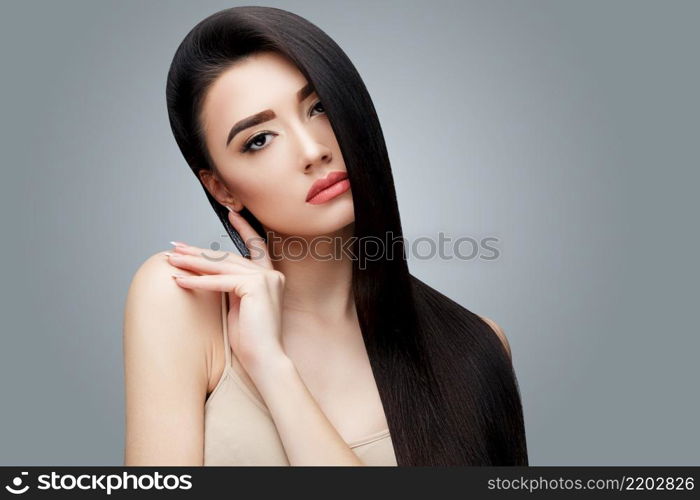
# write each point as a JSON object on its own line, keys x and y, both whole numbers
{"x": 327, "y": 224}
{"x": 317, "y": 230}
{"x": 314, "y": 226}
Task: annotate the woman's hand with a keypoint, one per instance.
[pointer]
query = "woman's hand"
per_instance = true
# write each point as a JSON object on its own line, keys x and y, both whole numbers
{"x": 255, "y": 291}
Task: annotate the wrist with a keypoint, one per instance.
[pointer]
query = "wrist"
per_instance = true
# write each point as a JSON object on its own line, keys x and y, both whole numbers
{"x": 269, "y": 368}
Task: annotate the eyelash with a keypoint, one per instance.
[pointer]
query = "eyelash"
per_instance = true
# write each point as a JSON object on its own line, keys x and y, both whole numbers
{"x": 247, "y": 147}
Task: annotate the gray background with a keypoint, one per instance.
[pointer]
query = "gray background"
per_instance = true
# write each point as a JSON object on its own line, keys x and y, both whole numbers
{"x": 569, "y": 130}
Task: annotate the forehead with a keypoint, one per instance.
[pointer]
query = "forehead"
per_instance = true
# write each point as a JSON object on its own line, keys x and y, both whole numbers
{"x": 261, "y": 81}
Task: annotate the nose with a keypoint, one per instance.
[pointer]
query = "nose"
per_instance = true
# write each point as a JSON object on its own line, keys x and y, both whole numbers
{"x": 312, "y": 152}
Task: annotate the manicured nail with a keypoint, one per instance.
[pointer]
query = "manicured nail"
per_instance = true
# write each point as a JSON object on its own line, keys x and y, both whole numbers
{"x": 168, "y": 254}
{"x": 178, "y": 276}
{"x": 178, "y": 244}
{"x": 228, "y": 208}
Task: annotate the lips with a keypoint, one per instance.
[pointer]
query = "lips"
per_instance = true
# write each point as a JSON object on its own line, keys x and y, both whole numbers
{"x": 322, "y": 184}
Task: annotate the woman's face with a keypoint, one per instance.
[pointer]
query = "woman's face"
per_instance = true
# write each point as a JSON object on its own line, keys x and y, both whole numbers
{"x": 269, "y": 167}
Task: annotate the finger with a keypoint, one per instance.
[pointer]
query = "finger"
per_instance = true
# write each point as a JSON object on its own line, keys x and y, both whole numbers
{"x": 200, "y": 264}
{"x": 251, "y": 237}
{"x": 183, "y": 249}
{"x": 235, "y": 283}
{"x": 186, "y": 250}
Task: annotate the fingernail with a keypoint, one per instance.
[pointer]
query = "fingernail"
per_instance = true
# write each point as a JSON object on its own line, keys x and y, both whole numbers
{"x": 178, "y": 276}
{"x": 178, "y": 244}
{"x": 168, "y": 254}
{"x": 228, "y": 208}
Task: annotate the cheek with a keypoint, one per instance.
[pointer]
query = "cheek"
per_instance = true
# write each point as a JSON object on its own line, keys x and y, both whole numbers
{"x": 274, "y": 198}
{"x": 269, "y": 188}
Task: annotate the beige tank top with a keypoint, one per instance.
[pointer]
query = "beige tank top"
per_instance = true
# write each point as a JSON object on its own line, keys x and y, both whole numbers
{"x": 239, "y": 430}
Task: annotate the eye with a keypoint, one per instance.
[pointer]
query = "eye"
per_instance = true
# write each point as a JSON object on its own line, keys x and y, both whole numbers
{"x": 316, "y": 106}
{"x": 256, "y": 141}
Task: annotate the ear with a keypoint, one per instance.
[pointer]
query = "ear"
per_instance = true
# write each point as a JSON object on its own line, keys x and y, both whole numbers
{"x": 218, "y": 190}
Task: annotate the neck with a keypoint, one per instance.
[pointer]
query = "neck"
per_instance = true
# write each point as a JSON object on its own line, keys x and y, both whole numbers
{"x": 318, "y": 277}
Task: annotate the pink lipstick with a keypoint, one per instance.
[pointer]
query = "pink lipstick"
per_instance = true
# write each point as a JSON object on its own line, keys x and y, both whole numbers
{"x": 335, "y": 184}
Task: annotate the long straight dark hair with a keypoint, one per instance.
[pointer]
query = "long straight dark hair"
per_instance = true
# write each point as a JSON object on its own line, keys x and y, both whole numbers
{"x": 446, "y": 382}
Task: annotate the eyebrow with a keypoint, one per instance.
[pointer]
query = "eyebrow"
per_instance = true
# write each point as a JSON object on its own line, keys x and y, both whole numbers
{"x": 265, "y": 115}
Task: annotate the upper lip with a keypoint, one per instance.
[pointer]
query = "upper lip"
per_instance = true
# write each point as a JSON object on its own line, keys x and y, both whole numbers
{"x": 322, "y": 184}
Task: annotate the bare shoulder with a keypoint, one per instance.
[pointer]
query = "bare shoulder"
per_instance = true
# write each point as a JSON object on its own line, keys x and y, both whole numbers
{"x": 153, "y": 280}
{"x": 499, "y": 331}
{"x": 166, "y": 331}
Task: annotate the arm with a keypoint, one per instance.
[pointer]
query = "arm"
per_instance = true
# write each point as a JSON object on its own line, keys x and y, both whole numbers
{"x": 164, "y": 369}
{"x": 306, "y": 433}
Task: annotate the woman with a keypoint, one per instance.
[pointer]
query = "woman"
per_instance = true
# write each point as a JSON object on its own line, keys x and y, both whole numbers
{"x": 283, "y": 355}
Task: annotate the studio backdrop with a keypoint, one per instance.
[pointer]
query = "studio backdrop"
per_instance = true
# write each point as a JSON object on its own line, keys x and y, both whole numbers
{"x": 565, "y": 134}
